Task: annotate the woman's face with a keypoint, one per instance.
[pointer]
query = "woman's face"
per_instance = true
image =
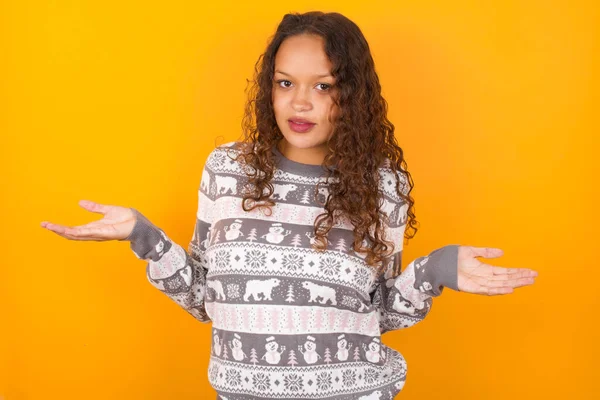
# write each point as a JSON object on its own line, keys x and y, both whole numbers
{"x": 302, "y": 88}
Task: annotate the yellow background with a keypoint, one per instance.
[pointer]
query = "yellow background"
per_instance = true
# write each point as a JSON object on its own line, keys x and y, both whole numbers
{"x": 120, "y": 102}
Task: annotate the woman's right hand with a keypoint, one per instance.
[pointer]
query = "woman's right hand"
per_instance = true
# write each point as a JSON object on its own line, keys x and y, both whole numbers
{"x": 117, "y": 224}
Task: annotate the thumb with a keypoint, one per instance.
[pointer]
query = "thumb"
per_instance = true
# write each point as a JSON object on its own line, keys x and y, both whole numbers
{"x": 487, "y": 252}
{"x": 93, "y": 206}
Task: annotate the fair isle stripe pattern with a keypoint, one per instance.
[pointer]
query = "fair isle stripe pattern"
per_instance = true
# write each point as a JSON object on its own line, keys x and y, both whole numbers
{"x": 289, "y": 321}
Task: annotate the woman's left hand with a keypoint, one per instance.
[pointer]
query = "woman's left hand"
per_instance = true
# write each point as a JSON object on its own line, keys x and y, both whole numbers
{"x": 480, "y": 278}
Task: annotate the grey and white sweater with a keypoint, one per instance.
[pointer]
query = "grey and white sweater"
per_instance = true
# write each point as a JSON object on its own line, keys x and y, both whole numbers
{"x": 290, "y": 322}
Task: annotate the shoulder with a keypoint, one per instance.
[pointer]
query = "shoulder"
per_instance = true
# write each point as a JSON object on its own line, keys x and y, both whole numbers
{"x": 222, "y": 157}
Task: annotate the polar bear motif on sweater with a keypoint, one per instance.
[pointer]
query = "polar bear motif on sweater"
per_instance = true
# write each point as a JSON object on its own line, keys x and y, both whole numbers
{"x": 255, "y": 287}
{"x": 404, "y": 283}
{"x": 376, "y": 395}
{"x": 282, "y": 190}
{"x": 388, "y": 208}
{"x": 326, "y": 293}
{"x": 226, "y": 184}
{"x": 403, "y": 307}
{"x": 323, "y": 191}
{"x": 205, "y": 184}
{"x": 217, "y": 287}
{"x": 402, "y": 214}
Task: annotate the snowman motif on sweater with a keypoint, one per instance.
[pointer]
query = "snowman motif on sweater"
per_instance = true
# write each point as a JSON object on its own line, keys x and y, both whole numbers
{"x": 343, "y": 348}
{"x": 217, "y": 344}
{"x": 272, "y": 356}
{"x": 308, "y": 350}
{"x": 236, "y": 348}
{"x": 374, "y": 353}
{"x": 276, "y": 233}
{"x": 232, "y": 231}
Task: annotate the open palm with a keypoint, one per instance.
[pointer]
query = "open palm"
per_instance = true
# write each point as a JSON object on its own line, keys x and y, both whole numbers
{"x": 117, "y": 224}
{"x": 477, "y": 277}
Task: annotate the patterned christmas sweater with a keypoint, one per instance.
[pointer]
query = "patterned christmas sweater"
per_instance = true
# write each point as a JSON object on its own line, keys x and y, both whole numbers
{"x": 288, "y": 321}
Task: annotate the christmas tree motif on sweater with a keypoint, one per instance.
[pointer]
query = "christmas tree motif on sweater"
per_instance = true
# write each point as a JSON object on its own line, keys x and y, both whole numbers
{"x": 308, "y": 350}
{"x": 252, "y": 235}
{"x": 253, "y": 356}
{"x": 300, "y": 215}
{"x": 225, "y": 355}
{"x": 356, "y": 354}
{"x": 319, "y": 319}
{"x": 327, "y": 356}
{"x": 236, "y": 348}
{"x": 272, "y": 355}
{"x": 297, "y": 240}
{"x": 304, "y": 319}
{"x": 260, "y": 319}
{"x": 341, "y": 245}
{"x": 290, "y": 321}
{"x": 305, "y": 197}
{"x": 232, "y": 231}
{"x": 290, "y": 294}
{"x": 275, "y": 320}
{"x": 245, "y": 319}
{"x": 292, "y": 358}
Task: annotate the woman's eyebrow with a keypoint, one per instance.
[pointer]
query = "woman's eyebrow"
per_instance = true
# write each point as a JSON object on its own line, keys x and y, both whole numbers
{"x": 317, "y": 75}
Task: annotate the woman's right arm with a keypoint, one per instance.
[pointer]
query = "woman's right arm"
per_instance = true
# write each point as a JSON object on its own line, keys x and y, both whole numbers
{"x": 179, "y": 274}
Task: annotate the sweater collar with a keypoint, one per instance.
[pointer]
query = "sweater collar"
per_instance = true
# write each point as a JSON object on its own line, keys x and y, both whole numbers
{"x": 295, "y": 167}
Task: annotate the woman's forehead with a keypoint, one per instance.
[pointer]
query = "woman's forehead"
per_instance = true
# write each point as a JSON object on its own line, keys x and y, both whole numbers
{"x": 302, "y": 56}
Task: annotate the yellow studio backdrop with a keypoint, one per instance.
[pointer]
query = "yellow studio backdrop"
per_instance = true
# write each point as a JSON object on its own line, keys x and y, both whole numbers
{"x": 494, "y": 104}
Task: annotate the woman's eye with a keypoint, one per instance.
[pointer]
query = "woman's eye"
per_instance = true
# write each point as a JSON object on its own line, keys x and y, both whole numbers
{"x": 327, "y": 86}
{"x": 281, "y": 81}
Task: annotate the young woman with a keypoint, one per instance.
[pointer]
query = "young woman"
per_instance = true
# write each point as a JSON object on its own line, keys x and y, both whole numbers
{"x": 297, "y": 247}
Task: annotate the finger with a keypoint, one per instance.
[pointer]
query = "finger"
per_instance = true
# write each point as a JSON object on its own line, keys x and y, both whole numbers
{"x": 487, "y": 252}
{"x": 68, "y": 236}
{"x": 490, "y": 283}
{"x": 476, "y": 288}
{"x": 72, "y": 233}
{"x": 514, "y": 272}
{"x": 500, "y": 290}
{"x": 93, "y": 206}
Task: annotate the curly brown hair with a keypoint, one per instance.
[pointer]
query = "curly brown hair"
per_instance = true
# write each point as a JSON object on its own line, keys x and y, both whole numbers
{"x": 362, "y": 138}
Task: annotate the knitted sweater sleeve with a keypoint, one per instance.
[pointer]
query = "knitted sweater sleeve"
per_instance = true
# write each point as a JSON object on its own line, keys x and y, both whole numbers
{"x": 406, "y": 299}
{"x": 178, "y": 273}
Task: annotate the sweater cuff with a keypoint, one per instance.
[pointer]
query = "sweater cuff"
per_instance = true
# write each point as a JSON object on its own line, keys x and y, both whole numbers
{"x": 440, "y": 270}
{"x": 147, "y": 240}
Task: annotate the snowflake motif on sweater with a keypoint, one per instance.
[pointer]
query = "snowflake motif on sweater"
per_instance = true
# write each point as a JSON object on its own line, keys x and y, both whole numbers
{"x": 289, "y": 321}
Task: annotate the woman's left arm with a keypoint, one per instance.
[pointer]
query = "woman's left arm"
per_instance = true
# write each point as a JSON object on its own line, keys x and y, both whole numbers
{"x": 406, "y": 299}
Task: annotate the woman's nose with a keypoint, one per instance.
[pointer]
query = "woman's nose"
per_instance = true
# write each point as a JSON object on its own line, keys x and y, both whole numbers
{"x": 301, "y": 101}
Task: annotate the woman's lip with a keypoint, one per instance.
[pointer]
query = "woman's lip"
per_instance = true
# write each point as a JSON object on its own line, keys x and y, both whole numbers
{"x": 300, "y": 121}
{"x": 300, "y": 128}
